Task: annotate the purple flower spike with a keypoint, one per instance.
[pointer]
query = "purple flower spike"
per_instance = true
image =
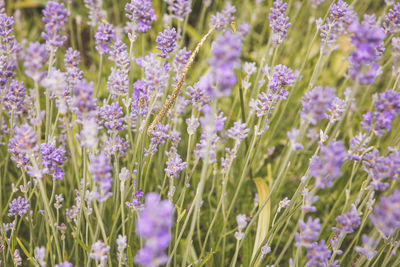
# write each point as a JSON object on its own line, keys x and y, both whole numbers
{"x": 278, "y": 22}
{"x": 367, "y": 38}
{"x": 64, "y": 264}
{"x": 387, "y": 214}
{"x": 174, "y": 164}
{"x": 104, "y": 36}
{"x": 281, "y": 77}
{"x": 348, "y": 221}
{"x": 317, "y": 103}
{"x": 219, "y": 80}
{"x": 22, "y": 143}
{"x": 52, "y": 160}
{"x": 36, "y": 58}
{"x": 309, "y": 232}
{"x": 223, "y": 19}
{"x": 340, "y": 18}
{"x": 368, "y": 248}
{"x": 14, "y": 98}
{"x": 239, "y": 131}
{"x": 326, "y": 168}
{"x": 318, "y": 254}
{"x": 19, "y": 206}
{"x": 166, "y": 41}
{"x": 112, "y": 116}
{"x": 96, "y": 13}
{"x": 141, "y": 13}
{"x": 380, "y": 168}
{"x": 387, "y": 107}
{"x": 154, "y": 227}
{"x": 179, "y": 8}
{"x": 99, "y": 253}
{"x": 100, "y": 168}
{"x": 55, "y": 16}
{"x": 392, "y": 20}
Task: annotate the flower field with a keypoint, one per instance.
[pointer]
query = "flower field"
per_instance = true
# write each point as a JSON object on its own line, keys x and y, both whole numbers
{"x": 199, "y": 133}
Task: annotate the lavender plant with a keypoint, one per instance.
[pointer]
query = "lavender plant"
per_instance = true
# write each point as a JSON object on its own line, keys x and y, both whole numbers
{"x": 199, "y": 133}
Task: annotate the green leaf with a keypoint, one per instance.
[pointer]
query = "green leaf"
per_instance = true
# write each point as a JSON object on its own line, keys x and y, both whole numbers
{"x": 264, "y": 217}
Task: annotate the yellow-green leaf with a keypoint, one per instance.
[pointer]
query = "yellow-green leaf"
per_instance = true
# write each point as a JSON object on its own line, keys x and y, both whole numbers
{"x": 264, "y": 217}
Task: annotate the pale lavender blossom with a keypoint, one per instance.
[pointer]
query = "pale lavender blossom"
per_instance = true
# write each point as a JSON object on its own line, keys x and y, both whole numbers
{"x": 99, "y": 253}
{"x": 154, "y": 227}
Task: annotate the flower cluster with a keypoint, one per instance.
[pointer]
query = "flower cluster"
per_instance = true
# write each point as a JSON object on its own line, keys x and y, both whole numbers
{"x": 278, "y": 22}
{"x": 219, "y": 80}
{"x": 367, "y": 37}
{"x": 326, "y": 168}
{"x": 387, "y": 107}
{"x": 154, "y": 226}
{"x": 141, "y": 14}
{"x": 387, "y": 214}
{"x": 55, "y": 16}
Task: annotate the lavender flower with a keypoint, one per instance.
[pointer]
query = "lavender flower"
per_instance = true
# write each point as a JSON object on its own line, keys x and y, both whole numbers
{"x": 198, "y": 97}
{"x": 112, "y": 116}
{"x": 17, "y": 258}
{"x": 219, "y": 80}
{"x": 340, "y": 18}
{"x": 71, "y": 60}
{"x": 309, "y": 232}
{"x": 281, "y": 77}
{"x": 396, "y": 54}
{"x": 104, "y": 36}
{"x": 19, "y": 206}
{"x": 118, "y": 82}
{"x": 174, "y": 164}
{"x": 64, "y": 264}
{"x": 14, "y": 98}
{"x": 55, "y": 16}
{"x": 141, "y": 14}
{"x": 367, "y": 37}
{"x": 316, "y": 3}
{"x": 368, "y": 250}
{"x": 179, "y": 8}
{"x": 22, "y": 144}
{"x": 278, "y": 22}
{"x": 40, "y": 255}
{"x": 37, "y": 56}
{"x": 192, "y": 123}
{"x": 293, "y": 135}
{"x": 381, "y": 167}
{"x": 158, "y": 137}
{"x": 309, "y": 200}
{"x": 387, "y": 107}
{"x": 52, "y": 160}
{"x": 166, "y": 41}
{"x": 153, "y": 226}
{"x": 119, "y": 54}
{"x": 99, "y": 253}
{"x": 348, "y": 221}
{"x": 387, "y": 214}
{"x": 96, "y": 13}
{"x": 326, "y": 168}
{"x": 316, "y": 103}
{"x": 242, "y": 222}
{"x": 318, "y": 254}
{"x": 82, "y": 101}
{"x": 358, "y": 146}
{"x": 100, "y": 168}
{"x": 121, "y": 243}
{"x": 181, "y": 58}
{"x": 239, "y": 131}
{"x": 392, "y": 20}
{"x": 223, "y": 19}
